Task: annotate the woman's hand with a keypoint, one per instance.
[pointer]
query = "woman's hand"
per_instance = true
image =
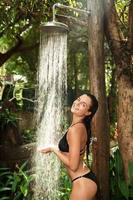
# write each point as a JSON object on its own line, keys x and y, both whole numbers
{"x": 47, "y": 149}
{"x": 44, "y": 150}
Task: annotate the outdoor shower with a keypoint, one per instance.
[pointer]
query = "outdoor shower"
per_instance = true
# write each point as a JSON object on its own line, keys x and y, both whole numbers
{"x": 58, "y": 26}
{"x": 52, "y": 90}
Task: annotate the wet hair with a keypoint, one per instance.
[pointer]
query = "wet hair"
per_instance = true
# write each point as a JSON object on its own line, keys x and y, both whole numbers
{"x": 87, "y": 120}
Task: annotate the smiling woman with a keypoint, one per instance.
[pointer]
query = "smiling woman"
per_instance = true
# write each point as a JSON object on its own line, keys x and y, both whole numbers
{"x": 72, "y": 146}
{"x": 81, "y": 106}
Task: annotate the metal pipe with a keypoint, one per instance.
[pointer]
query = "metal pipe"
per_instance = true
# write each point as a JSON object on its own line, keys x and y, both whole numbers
{"x": 68, "y": 7}
{"x": 54, "y": 6}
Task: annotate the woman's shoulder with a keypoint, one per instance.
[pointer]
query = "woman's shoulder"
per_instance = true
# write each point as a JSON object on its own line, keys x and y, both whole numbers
{"x": 76, "y": 130}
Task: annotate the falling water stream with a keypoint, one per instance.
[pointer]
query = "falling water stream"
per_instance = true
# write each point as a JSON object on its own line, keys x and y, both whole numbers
{"x": 52, "y": 80}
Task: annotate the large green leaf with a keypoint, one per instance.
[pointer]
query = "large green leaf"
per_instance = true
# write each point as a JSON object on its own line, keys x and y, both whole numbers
{"x": 130, "y": 168}
{"x": 5, "y": 189}
{"x": 123, "y": 188}
{"x": 5, "y": 198}
{"x": 118, "y": 164}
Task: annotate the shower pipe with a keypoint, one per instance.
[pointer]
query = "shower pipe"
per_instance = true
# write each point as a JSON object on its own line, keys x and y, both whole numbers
{"x": 68, "y": 7}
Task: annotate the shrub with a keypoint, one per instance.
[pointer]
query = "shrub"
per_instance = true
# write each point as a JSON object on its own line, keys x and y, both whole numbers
{"x": 15, "y": 185}
{"x": 119, "y": 190}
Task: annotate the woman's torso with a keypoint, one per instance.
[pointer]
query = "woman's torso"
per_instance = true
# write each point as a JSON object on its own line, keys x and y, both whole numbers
{"x": 64, "y": 147}
{"x": 82, "y": 169}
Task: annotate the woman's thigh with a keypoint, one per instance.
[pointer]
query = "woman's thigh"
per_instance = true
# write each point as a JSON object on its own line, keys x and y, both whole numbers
{"x": 84, "y": 189}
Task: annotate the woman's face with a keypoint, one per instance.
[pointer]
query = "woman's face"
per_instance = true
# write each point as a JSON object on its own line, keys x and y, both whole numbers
{"x": 81, "y": 106}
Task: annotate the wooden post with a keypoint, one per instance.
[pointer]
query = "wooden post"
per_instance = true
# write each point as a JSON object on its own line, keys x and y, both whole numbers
{"x": 100, "y": 127}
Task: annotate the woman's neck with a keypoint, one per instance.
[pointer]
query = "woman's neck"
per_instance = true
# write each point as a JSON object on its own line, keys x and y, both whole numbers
{"x": 76, "y": 119}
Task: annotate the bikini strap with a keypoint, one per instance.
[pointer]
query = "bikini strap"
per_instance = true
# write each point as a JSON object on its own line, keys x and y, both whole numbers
{"x": 77, "y": 178}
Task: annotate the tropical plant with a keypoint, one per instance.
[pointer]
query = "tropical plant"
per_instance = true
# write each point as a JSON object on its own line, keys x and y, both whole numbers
{"x": 15, "y": 185}
{"x": 64, "y": 185}
{"x": 7, "y": 117}
{"x": 119, "y": 189}
{"x": 29, "y": 136}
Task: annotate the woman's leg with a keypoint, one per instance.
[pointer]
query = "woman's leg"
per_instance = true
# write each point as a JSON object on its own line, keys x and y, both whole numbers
{"x": 84, "y": 189}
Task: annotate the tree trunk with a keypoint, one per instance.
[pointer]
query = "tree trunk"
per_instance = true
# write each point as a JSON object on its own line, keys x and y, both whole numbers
{"x": 97, "y": 87}
{"x": 16, "y": 49}
{"x": 125, "y": 122}
{"x": 122, "y": 53}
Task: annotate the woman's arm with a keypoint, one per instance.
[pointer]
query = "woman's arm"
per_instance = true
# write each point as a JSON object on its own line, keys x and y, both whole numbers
{"x": 63, "y": 157}
{"x": 74, "y": 140}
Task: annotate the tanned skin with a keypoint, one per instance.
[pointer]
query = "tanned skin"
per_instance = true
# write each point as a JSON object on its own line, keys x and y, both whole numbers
{"x": 82, "y": 188}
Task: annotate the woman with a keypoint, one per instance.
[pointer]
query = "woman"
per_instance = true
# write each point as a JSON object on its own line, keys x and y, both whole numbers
{"x": 73, "y": 145}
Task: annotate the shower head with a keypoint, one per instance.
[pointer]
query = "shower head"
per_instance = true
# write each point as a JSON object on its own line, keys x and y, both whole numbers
{"x": 54, "y": 26}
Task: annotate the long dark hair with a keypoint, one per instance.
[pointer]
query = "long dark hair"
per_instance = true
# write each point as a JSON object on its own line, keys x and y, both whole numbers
{"x": 87, "y": 120}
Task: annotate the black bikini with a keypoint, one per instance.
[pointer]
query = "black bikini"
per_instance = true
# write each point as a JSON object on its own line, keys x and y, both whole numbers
{"x": 64, "y": 147}
{"x": 89, "y": 175}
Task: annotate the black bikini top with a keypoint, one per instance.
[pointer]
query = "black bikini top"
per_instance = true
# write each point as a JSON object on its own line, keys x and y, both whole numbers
{"x": 64, "y": 147}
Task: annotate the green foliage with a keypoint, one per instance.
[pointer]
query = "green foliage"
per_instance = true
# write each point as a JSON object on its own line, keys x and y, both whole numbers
{"x": 29, "y": 136}
{"x": 109, "y": 68}
{"x": 7, "y": 118}
{"x": 19, "y": 24}
{"x": 21, "y": 95}
{"x": 64, "y": 185}
{"x": 15, "y": 185}
{"x": 78, "y": 62}
{"x": 119, "y": 189}
{"x": 130, "y": 168}
{"x": 122, "y": 7}
{"x": 16, "y": 65}
{"x": 5, "y": 43}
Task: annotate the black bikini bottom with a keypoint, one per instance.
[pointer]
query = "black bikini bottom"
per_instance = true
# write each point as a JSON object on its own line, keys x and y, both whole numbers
{"x": 89, "y": 175}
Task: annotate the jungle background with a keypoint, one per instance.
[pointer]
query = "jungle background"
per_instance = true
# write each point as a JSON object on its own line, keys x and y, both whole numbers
{"x": 19, "y": 52}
